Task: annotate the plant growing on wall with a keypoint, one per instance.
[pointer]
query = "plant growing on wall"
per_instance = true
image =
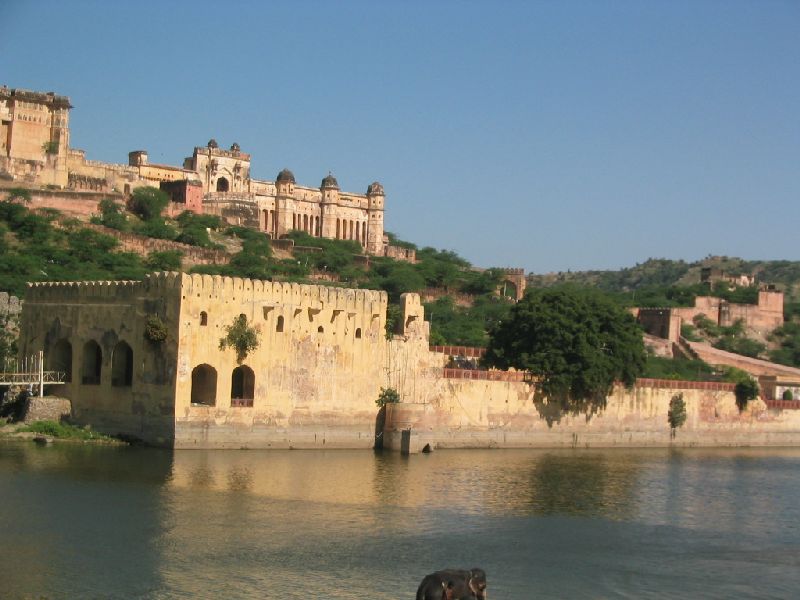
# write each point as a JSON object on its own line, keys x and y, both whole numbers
{"x": 387, "y": 396}
{"x": 50, "y": 147}
{"x": 787, "y": 395}
{"x": 745, "y": 390}
{"x": 677, "y": 413}
{"x": 155, "y": 330}
{"x": 241, "y": 337}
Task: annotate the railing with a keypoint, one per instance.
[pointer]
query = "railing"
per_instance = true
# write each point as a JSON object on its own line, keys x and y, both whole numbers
{"x": 30, "y": 371}
{"x": 467, "y": 351}
{"x": 677, "y": 384}
{"x": 477, "y": 374}
{"x": 783, "y": 404}
{"x": 670, "y": 384}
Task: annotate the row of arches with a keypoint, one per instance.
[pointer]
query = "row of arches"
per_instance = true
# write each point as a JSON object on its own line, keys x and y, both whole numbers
{"x": 346, "y": 229}
{"x": 60, "y": 358}
{"x": 204, "y": 386}
{"x": 308, "y": 223}
{"x": 351, "y": 230}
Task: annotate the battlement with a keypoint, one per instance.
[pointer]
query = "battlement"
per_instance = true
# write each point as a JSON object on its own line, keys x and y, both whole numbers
{"x": 220, "y": 152}
{"x": 293, "y": 294}
{"x": 514, "y": 271}
{"x": 102, "y": 291}
{"x": 49, "y": 98}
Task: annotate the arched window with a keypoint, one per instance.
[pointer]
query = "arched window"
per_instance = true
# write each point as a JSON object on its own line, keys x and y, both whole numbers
{"x": 203, "y": 318}
{"x": 358, "y": 333}
{"x": 92, "y": 363}
{"x": 279, "y": 325}
{"x": 122, "y": 365}
{"x": 243, "y": 385}
{"x": 222, "y": 184}
{"x": 204, "y": 385}
{"x": 320, "y": 329}
{"x": 338, "y": 228}
{"x": 60, "y": 359}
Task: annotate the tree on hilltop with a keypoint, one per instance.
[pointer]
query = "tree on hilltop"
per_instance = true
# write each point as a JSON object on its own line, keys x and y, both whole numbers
{"x": 576, "y": 341}
{"x": 148, "y": 202}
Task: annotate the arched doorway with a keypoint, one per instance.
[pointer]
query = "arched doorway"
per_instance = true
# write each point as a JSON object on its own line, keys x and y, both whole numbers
{"x": 122, "y": 365}
{"x": 508, "y": 289}
{"x": 60, "y": 359}
{"x": 222, "y": 185}
{"x": 243, "y": 385}
{"x": 92, "y": 363}
{"x": 204, "y": 385}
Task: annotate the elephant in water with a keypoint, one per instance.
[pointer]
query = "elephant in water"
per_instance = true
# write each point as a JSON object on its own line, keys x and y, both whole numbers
{"x": 453, "y": 584}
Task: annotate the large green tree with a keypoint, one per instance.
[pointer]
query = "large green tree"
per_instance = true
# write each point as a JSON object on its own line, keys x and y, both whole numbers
{"x": 575, "y": 341}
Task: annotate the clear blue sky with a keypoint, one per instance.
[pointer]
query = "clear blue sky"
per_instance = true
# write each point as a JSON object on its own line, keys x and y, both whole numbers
{"x": 544, "y": 135}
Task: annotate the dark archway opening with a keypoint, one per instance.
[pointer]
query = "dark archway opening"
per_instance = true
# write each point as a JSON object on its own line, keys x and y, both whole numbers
{"x": 204, "y": 385}
{"x": 222, "y": 185}
{"x": 60, "y": 359}
{"x": 243, "y": 384}
{"x": 122, "y": 365}
{"x": 92, "y": 363}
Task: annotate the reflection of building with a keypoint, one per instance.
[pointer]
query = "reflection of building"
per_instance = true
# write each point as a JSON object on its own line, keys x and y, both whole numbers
{"x": 34, "y": 151}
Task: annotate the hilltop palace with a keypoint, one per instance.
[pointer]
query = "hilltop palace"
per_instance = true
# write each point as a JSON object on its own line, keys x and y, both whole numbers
{"x": 35, "y": 151}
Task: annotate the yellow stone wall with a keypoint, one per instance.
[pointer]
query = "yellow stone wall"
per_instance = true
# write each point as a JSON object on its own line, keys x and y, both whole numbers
{"x": 487, "y": 414}
{"x": 315, "y": 382}
{"x": 322, "y": 358}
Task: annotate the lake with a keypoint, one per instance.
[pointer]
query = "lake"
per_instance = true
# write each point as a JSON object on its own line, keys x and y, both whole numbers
{"x": 82, "y": 521}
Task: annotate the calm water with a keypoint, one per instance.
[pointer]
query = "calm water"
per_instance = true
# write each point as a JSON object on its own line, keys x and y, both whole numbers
{"x": 94, "y": 522}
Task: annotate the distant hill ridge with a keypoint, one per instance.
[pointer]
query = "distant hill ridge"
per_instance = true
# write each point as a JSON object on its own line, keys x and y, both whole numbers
{"x": 665, "y": 272}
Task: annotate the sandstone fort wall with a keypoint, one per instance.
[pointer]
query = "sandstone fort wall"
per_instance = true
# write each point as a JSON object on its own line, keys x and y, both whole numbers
{"x": 313, "y": 379}
{"x": 118, "y": 381}
{"x": 322, "y": 359}
{"x": 490, "y": 414}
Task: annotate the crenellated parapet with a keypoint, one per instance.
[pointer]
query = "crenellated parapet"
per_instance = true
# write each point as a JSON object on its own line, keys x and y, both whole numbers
{"x": 155, "y": 284}
{"x": 236, "y": 290}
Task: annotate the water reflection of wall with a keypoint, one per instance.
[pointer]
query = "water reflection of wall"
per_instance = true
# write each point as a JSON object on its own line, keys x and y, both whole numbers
{"x": 80, "y": 521}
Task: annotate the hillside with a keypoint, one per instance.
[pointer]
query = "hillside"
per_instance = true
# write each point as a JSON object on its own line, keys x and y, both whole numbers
{"x": 645, "y": 284}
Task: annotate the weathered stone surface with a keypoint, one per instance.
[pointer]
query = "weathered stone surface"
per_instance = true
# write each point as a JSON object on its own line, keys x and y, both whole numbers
{"x": 48, "y": 408}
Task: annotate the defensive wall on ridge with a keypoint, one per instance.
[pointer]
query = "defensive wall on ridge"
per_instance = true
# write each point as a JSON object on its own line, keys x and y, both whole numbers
{"x": 143, "y": 245}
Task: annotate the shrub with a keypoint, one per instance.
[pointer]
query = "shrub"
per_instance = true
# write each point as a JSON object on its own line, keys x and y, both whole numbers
{"x": 787, "y": 395}
{"x": 63, "y": 431}
{"x": 745, "y": 390}
{"x": 155, "y": 330}
{"x": 241, "y": 337}
{"x": 677, "y": 412}
{"x": 19, "y": 195}
{"x": 148, "y": 202}
{"x": 387, "y": 396}
{"x": 168, "y": 260}
{"x": 112, "y": 215}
